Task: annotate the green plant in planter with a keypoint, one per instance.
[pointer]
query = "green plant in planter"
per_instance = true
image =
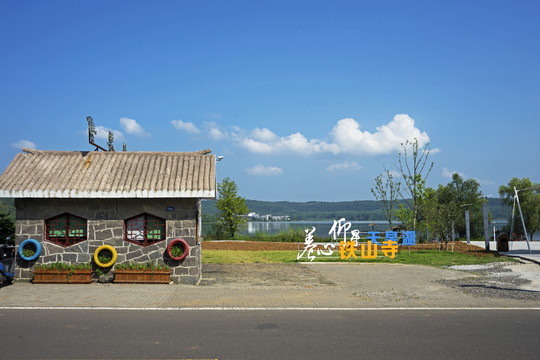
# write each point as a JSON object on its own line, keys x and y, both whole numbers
{"x": 177, "y": 250}
{"x": 162, "y": 267}
{"x": 141, "y": 267}
{"x": 58, "y": 266}
{"x": 29, "y": 250}
{"x": 105, "y": 256}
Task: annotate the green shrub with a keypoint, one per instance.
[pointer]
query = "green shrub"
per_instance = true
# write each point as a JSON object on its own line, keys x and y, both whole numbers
{"x": 141, "y": 267}
{"x": 59, "y": 266}
{"x": 105, "y": 256}
{"x": 177, "y": 250}
{"x": 29, "y": 250}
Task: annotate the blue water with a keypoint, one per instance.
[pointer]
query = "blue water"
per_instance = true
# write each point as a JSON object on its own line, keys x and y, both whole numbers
{"x": 322, "y": 227}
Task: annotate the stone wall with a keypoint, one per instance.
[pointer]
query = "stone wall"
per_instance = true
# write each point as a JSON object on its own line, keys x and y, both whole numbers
{"x": 105, "y": 226}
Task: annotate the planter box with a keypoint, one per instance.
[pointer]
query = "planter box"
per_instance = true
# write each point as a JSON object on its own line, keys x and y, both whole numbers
{"x": 142, "y": 277}
{"x": 62, "y": 277}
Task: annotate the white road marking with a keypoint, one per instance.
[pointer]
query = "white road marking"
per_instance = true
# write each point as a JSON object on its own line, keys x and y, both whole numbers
{"x": 263, "y": 308}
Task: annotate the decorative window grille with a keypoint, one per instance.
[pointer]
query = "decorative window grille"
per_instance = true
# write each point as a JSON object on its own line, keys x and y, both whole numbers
{"x": 65, "y": 229}
{"x": 144, "y": 229}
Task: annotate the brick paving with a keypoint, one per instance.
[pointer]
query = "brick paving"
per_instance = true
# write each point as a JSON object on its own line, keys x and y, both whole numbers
{"x": 345, "y": 286}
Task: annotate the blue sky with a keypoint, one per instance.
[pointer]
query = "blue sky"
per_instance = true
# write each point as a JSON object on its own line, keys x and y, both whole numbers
{"x": 306, "y": 100}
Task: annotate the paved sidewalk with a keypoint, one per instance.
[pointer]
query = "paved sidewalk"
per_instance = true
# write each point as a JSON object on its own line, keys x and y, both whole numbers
{"x": 345, "y": 286}
{"x": 516, "y": 249}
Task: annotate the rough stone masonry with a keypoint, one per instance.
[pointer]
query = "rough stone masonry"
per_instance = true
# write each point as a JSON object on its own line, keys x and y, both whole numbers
{"x": 105, "y": 226}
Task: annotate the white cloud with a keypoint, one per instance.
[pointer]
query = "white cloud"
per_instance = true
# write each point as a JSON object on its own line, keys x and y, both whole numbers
{"x": 299, "y": 144}
{"x": 386, "y": 139}
{"x": 257, "y": 146}
{"x": 263, "y": 134}
{"x": 260, "y": 170}
{"x": 185, "y": 126}
{"x": 448, "y": 174}
{"x": 395, "y": 174}
{"x": 264, "y": 141}
{"x": 103, "y": 133}
{"x": 346, "y": 166}
{"x": 345, "y": 137}
{"x": 24, "y": 144}
{"x": 216, "y": 133}
{"x": 132, "y": 127}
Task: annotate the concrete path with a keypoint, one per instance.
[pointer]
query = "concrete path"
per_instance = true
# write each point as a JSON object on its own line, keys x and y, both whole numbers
{"x": 344, "y": 286}
{"x": 516, "y": 249}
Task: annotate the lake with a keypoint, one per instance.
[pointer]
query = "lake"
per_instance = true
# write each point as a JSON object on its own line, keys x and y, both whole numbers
{"x": 322, "y": 227}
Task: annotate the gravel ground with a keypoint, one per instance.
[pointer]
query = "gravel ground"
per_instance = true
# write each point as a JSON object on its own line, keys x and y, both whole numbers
{"x": 494, "y": 280}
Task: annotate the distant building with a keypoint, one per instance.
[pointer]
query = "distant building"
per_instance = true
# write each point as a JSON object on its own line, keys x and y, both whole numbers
{"x": 267, "y": 217}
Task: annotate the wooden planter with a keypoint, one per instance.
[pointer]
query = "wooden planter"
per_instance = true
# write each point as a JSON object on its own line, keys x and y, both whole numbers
{"x": 62, "y": 277}
{"x": 142, "y": 277}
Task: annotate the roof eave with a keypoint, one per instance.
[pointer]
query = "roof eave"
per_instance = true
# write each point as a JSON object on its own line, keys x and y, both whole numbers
{"x": 139, "y": 194}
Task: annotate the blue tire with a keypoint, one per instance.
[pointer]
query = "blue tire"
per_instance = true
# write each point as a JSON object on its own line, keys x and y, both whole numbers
{"x": 37, "y": 245}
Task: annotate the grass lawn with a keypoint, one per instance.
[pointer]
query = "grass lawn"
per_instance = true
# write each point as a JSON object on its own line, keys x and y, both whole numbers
{"x": 247, "y": 257}
{"x": 420, "y": 257}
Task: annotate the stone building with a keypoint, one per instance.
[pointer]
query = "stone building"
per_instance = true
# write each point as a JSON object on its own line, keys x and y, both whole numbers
{"x": 73, "y": 202}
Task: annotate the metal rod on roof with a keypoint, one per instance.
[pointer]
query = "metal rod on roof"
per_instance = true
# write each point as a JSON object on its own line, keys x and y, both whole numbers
{"x": 91, "y": 132}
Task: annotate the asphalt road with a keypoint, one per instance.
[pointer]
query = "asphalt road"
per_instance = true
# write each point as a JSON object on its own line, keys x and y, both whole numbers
{"x": 269, "y": 334}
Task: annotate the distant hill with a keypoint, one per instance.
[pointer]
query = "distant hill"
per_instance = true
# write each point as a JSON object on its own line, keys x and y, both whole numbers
{"x": 361, "y": 210}
{"x": 498, "y": 210}
{"x": 311, "y": 210}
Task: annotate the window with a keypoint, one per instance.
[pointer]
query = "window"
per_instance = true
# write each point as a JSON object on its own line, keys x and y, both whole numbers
{"x": 65, "y": 229}
{"x": 144, "y": 229}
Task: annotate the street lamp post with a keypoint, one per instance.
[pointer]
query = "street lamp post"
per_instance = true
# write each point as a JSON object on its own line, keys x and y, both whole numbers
{"x": 467, "y": 223}
{"x": 486, "y": 224}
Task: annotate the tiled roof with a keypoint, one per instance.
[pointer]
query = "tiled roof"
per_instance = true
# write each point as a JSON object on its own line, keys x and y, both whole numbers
{"x": 93, "y": 174}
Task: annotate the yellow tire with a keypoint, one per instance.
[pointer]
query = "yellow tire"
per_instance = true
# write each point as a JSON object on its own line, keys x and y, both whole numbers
{"x": 105, "y": 247}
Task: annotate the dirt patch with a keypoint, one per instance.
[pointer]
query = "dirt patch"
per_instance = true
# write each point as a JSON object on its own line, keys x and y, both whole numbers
{"x": 296, "y": 275}
{"x": 457, "y": 246}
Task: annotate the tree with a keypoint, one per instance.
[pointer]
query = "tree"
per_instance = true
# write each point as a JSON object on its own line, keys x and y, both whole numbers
{"x": 7, "y": 229}
{"x": 440, "y": 211}
{"x": 529, "y": 199}
{"x": 412, "y": 166}
{"x": 387, "y": 190}
{"x": 466, "y": 192}
{"x": 231, "y": 207}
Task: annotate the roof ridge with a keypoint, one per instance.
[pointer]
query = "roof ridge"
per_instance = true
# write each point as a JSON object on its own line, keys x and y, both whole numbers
{"x": 85, "y": 152}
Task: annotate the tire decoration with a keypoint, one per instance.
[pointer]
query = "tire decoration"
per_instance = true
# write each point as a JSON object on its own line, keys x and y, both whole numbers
{"x": 101, "y": 248}
{"x": 182, "y": 243}
{"x": 36, "y": 244}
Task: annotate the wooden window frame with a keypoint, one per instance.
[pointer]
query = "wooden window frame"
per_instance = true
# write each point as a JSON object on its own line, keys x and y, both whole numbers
{"x": 72, "y": 234}
{"x": 149, "y": 223}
